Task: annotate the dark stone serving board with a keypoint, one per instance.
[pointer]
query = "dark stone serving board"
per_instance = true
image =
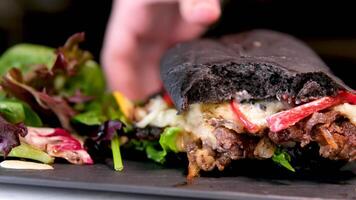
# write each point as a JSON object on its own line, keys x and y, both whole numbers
{"x": 147, "y": 178}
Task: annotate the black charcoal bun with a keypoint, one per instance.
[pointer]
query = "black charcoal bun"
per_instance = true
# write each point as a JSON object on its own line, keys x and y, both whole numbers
{"x": 258, "y": 64}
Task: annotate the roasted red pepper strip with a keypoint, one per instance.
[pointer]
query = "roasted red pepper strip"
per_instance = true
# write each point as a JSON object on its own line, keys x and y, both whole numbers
{"x": 285, "y": 119}
{"x": 348, "y": 97}
{"x": 167, "y": 99}
{"x": 251, "y": 127}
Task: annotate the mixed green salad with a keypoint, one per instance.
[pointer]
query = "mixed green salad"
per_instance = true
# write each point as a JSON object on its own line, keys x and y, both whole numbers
{"x": 54, "y": 106}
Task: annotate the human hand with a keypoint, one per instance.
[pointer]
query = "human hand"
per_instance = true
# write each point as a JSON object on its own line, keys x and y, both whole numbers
{"x": 140, "y": 31}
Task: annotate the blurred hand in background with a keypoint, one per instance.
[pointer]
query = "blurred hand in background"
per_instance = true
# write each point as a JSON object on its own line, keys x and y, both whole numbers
{"x": 140, "y": 31}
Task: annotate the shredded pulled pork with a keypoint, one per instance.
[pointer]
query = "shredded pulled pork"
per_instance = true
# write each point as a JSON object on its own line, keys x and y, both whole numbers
{"x": 231, "y": 146}
{"x": 335, "y": 135}
{"x": 337, "y": 141}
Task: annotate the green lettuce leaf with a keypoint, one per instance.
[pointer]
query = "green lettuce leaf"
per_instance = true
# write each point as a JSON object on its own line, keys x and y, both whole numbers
{"x": 31, "y": 118}
{"x": 16, "y": 111}
{"x": 282, "y": 158}
{"x": 168, "y": 139}
{"x": 157, "y": 151}
{"x": 101, "y": 110}
{"x": 13, "y": 112}
{"x": 25, "y": 57}
{"x": 90, "y": 118}
{"x": 90, "y": 80}
{"x": 154, "y": 154}
{"x": 26, "y": 151}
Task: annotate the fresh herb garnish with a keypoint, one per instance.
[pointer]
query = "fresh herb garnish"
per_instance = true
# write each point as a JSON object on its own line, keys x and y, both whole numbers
{"x": 283, "y": 159}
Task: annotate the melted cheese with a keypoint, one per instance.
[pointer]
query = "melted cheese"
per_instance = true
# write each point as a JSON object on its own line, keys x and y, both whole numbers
{"x": 222, "y": 112}
{"x": 195, "y": 122}
{"x": 257, "y": 113}
{"x": 254, "y": 112}
{"x": 347, "y": 110}
{"x": 196, "y": 118}
{"x": 160, "y": 115}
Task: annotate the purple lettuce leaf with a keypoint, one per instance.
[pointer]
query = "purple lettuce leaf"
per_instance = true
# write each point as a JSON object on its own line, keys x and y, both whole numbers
{"x": 98, "y": 144}
{"x": 9, "y": 135}
{"x": 108, "y": 130}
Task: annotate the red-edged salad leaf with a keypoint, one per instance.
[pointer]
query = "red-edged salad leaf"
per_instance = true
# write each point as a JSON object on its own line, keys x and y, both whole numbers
{"x": 69, "y": 62}
{"x": 58, "y": 143}
{"x": 69, "y": 59}
{"x": 60, "y": 107}
{"x": 73, "y": 54}
{"x": 41, "y": 102}
{"x": 79, "y": 97}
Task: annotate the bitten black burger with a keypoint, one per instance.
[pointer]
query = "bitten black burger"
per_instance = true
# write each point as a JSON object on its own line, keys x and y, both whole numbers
{"x": 251, "y": 95}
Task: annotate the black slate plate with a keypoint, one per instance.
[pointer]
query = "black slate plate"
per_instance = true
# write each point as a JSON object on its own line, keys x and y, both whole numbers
{"x": 151, "y": 179}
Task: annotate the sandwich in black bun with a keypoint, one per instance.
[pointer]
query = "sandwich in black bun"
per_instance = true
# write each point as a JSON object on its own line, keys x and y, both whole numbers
{"x": 253, "y": 95}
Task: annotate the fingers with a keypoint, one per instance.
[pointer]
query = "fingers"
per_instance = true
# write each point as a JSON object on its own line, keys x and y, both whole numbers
{"x": 117, "y": 64}
{"x": 116, "y": 57}
{"x": 127, "y": 65}
{"x": 203, "y": 12}
{"x": 133, "y": 44}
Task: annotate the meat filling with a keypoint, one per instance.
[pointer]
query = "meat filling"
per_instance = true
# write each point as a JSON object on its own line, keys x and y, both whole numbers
{"x": 335, "y": 135}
